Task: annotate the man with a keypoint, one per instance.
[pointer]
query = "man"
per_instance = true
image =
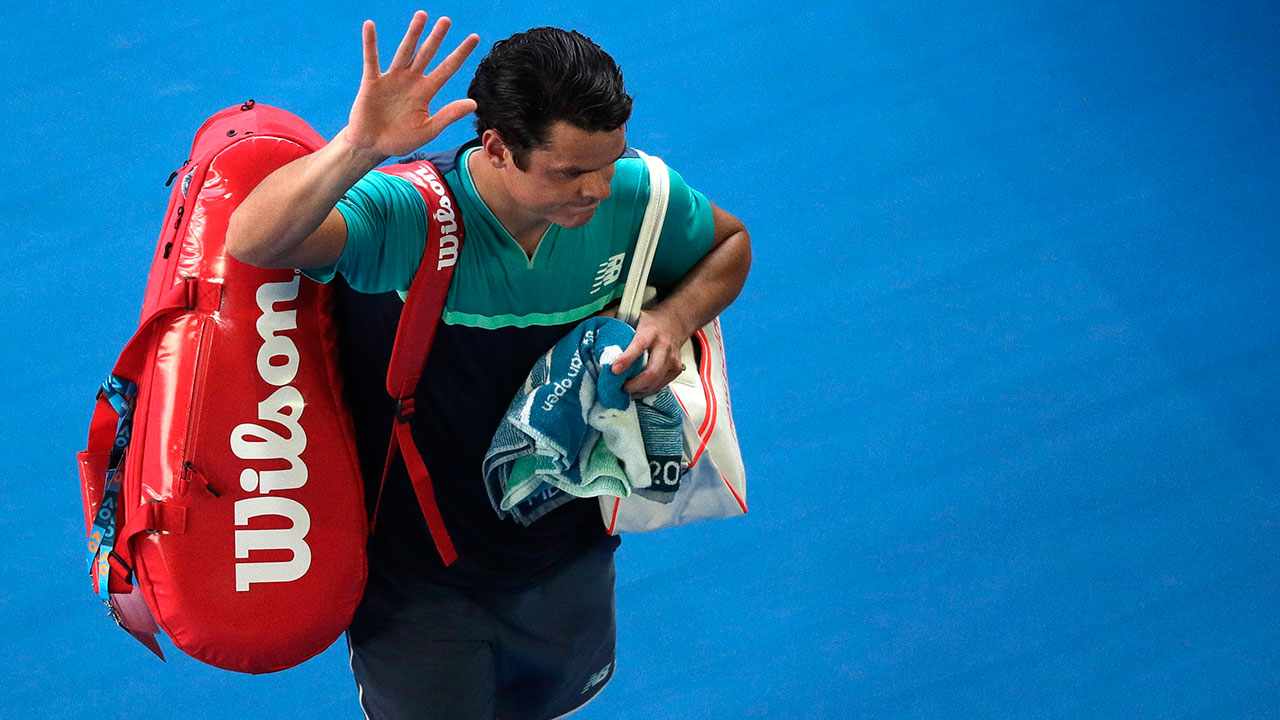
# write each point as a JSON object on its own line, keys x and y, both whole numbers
{"x": 522, "y": 625}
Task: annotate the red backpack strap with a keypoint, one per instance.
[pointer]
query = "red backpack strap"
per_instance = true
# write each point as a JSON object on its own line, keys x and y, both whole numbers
{"x": 417, "y": 330}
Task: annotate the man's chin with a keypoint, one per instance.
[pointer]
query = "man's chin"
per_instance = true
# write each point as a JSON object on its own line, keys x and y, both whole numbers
{"x": 575, "y": 219}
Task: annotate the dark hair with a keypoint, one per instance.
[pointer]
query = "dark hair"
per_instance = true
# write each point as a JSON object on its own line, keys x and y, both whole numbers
{"x": 532, "y": 79}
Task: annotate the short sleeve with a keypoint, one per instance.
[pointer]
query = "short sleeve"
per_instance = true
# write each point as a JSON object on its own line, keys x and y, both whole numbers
{"x": 687, "y": 232}
{"x": 386, "y": 235}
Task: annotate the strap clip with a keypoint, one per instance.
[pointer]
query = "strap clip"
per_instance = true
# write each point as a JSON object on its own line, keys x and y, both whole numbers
{"x": 128, "y": 569}
{"x": 404, "y": 409}
{"x": 191, "y": 285}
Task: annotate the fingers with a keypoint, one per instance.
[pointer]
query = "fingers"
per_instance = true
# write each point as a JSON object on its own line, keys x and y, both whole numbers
{"x": 430, "y": 45}
{"x": 453, "y": 62}
{"x": 628, "y": 356}
{"x": 660, "y": 370}
{"x": 655, "y": 367}
{"x": 404, "y": 53}
{"x": 369, "y": 38}
{"x": 637, "y": 387}
{"x": 405, "y": 56}
{"x": 663, "y": 364}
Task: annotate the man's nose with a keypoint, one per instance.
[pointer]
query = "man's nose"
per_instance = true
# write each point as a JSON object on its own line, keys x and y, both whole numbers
{"x": 597, "y": 186}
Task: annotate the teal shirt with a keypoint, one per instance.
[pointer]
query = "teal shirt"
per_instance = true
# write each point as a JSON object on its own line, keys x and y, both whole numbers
{"x": 574, "y": 273}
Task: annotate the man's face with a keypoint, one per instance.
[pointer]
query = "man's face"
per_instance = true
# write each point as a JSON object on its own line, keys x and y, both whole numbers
{"x": 565, "y": 181}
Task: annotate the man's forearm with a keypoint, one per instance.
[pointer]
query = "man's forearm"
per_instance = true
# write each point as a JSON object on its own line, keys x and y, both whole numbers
{"x": 710, "y": 285}
{"x": 271, "y": 227}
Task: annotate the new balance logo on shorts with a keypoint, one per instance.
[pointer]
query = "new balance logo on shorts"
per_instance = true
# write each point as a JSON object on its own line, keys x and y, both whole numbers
{"x": 598, "y": 677}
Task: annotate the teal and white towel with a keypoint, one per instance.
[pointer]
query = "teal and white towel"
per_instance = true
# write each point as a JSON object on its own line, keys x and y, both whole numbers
{"x": 571, "y": 431}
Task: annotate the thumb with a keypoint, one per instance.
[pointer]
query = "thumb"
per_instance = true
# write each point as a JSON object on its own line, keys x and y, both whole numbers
{"x": 451, "y": 113}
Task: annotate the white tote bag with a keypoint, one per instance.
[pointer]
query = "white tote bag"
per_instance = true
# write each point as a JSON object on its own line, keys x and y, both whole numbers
{"x": 714, "y": 484}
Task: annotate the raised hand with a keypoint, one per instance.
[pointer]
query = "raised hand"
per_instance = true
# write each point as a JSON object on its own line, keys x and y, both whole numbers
{"x": 391, "y": 114}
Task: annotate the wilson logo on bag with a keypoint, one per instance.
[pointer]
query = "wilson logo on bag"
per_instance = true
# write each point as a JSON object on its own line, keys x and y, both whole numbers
{"x": 263, "y": 441}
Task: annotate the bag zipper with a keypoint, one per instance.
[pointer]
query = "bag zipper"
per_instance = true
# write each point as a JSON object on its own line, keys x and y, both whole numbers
{"x": 203, "y": 344}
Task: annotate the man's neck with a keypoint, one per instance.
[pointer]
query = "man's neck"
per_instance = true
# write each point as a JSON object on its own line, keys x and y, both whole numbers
{"x": 525, "y": 227}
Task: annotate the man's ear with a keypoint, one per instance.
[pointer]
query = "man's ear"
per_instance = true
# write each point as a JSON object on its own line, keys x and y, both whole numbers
{"x": 495, "y": 150}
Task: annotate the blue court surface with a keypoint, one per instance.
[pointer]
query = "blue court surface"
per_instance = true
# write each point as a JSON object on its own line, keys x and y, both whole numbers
{"x": 1005, "y": 372}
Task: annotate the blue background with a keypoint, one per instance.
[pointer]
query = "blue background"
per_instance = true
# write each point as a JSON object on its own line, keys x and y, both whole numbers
{"x": 1005, "y": 371}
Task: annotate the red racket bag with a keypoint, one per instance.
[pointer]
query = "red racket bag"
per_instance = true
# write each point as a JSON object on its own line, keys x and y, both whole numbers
{"x": 222, "y": 493}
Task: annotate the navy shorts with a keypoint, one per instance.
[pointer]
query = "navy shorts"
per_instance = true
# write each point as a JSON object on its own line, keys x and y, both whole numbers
{"x": 426, "y": 651}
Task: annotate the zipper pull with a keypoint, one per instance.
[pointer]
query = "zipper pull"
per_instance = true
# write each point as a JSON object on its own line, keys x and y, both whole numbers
{"x": 174, "y": 174}
{"x": 188, "y": 470}
{"x": 168, "y": 247}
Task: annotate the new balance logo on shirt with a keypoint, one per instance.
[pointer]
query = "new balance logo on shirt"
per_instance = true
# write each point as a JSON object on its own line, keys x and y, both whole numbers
{"x": 609, "y": 272}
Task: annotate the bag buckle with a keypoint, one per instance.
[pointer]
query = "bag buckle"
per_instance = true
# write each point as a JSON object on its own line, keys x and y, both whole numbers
{"x": 404, "y": 409}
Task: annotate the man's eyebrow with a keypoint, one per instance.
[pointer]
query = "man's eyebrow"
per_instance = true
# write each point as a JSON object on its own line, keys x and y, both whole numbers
{"x": 578, "y": 170}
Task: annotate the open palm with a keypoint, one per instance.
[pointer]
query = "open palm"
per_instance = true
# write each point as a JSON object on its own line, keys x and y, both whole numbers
{"x": 392, "y": 114}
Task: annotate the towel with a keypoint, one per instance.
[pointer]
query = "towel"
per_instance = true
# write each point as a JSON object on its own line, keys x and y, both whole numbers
{"x": 572, "y": 431}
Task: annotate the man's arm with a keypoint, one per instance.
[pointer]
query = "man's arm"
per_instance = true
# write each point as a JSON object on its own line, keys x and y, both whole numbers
{"x": 289, "y": 220}
{"x": 706, "y": 290}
